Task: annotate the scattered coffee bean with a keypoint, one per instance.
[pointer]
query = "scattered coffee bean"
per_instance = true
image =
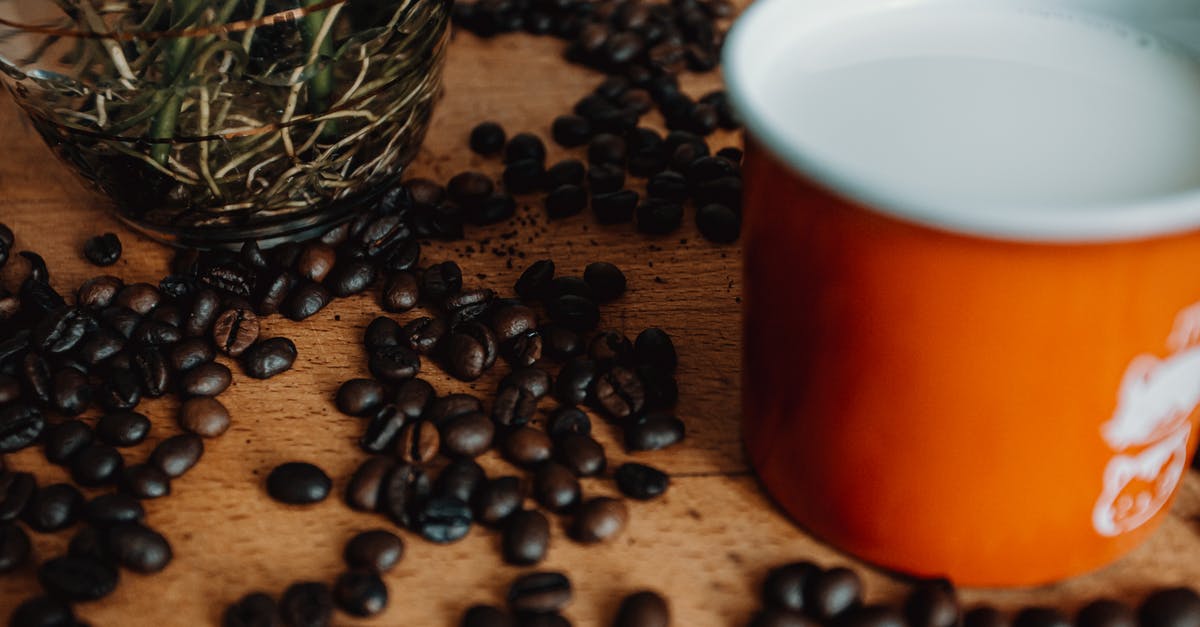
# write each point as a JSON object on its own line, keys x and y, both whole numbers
{"x": 555, "y": 487}
{"x": 441, "y": 280}
{"x": 234, "y": 330}
{"x": 204, "y": 416}
{"x": 145, "y": 481}
{"x": 14, "y": 547}
{"x": 394, "y": 363}
{"x": 1171, "y": 607}
{"x": 96, "y": 465}
{"x": 654, "y": 432}
{"x": 177, "y": 454}
{"x": 932, "y": 603}
{"x": 364, "y": 489}
{"x": 524, "y": 146}
{"x": 526, "y": 538}
{"x": 468, "y": 435}
{"x": 20, "y": 426}
{"x": 418, "y": 442}
{"x": 42, "y": 611}
{"x": 643, "y": 609}
{"x": 581, "y": 454}
{"x": 497, "y": 499}
{"x": 53, "y": 507}
{"x": 620, "y": 393}
{"x": 360, "y": 593}
{"x": 424, "y": 335}
{"x": 487, "y": 138}
{"x": 382, "y": 430}
{"x": 403, "y": 489}
{"x": 470, "y": 189}
{"x": 306, "y": 604}
{"x": 253, "y": 610}
{"x": 574, "y": 312}
{"x": 359, "y": 397}
{"x": 77, "y": 578}
{"x": 535, "y": 280}
{"x": 1042, "y": 617}
{"x": 831, "y": 592}
{"x": 209, "y": 379}
{"x": 539, "y": 593}
{"x": 305, "y": 300}
{"x": 65, "y": 439}
{"x": 139, "y": 548}
{"x": 298, "y": 483}
{"x": 401, "y": 292}
{"x": 16, "y": 488}
{"x": 113, "y": 508}
{"x": 1106, "y": 613}
{"x": 526, "y": 446}
{"x": 268, "y": 358}
{"x": 443, "y": 519}
{"x": 605, "y": 178}
{"x": 566, "y": 201}
{"x": 571, "y": 131}
{"x": 599, "y": 520}
{"x": 123, "y": 428}
{"x": 376, "y": 551}
{"x": 606, "y": 280}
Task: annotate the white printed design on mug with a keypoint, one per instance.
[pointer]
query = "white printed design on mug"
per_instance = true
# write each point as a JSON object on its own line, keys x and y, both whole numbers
{"x": 1149, "y": 431}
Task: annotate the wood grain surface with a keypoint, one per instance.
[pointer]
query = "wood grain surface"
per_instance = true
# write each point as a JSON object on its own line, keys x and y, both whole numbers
{"x": 706, "y": 545}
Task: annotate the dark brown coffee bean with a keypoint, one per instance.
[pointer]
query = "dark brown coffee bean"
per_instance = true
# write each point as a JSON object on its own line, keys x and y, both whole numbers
{"x": 526, "y": 538}
{"x": 53, "y": 507}
{"x": 468, "y": 305}
{"x": 298, "y": 483}
{"x": 394, "y": 363}
{"x": 565, "y": 201}
{"x": 384, "y": 232}
{"x": 39, "y": 381}
{"x": 112, "y": 508}
{"x": 10, "y": 389}
{"x": 599, "y": 520}
{"x": 620, "y": 393}
{"x": 1106, "y": 613}
{"x": 574, "y": 312}
{"x": 523, "y": 350}
{"x": 204, "y": 416}
{"x": 363, "y": 491}
{"x": 381, "y": 332}
{"x": 784, "y": 586}
{"x": 403, "y": 489}
{"x": 654, "y": 432}
{"x": 870, "y": 616}
{"x": 41, "y": 611}
{"x": 571, "y": 131}
{"x": 932, "y": 603}
{"x": 460, "y": 479}
{"x": 376, "y": 551}
{"x": 234, "y": 331}
{"x": 100, "y": 346}
{"x": 77, "y": 578}
{"x": 141, "y": 298}
{"x": 524, "y": 146}
{"x": 177, "y": 454}
{"x": 96, "y": 465}
{"x": 605, "y": 178}
{"x": 359, "y": 397}
{"x": 350, "y": 277}
{"x": 315, "y": 261}
{"x": 443, "y": 519}
{"x": 123, "y": 428}
{"x": 413, "y": 398}
{"x": 269, "y": 358}
{"x": 62, "y": 330}
{"x": 20, "y": 426}
{"x": 451, "y": 406}
{"x": 539, "y": 593}
{"x": 575, "y": 379}
{"x": 210, "y": 379}
{"x": 441, "y": 280}
{"x": 139, "y": 548}
{"x": 99, "y": 292}
{"x": 535, "y": 281}
{"x": 154, "y": 333}
{"x": 424, "y": 335}
{"x": 71, "y": 392}
{"x": 153, "y": 371}
{"x": 425, "y": 192}
{"x": 65, "y": 439}
{"x": 382, "y": 429}
{"x": 305, "y": 300}
{"x": 470, "y": 351}
{"x": 513, "y": 406}
{"x": 418, "y": 442}
{"x": 203, "y": 311}
{"x": 643, "y": 609}
{"x": 606, "y": 280}
{"x": 566, "y": 420}
{"x": 485, "y": 616}
{"x": 487, "y": 138}
{"x": 469, "y": 189}
{"x": 655, "y": 348}
{"x": 497, "y": 499}
{"x": 14, "y": 547}
{"x": 468, "y": 435}
{"x": 581, "y": 454}
{"x": 1171, "y": 607}
{"x": 360, "y": 593}
{"x": 306, "y": 604}
{"x": 831, "y": 592}
{"x": 401, "y": 293}
{"x": 555, "y": 487}
{"x": 145, "y": 481}
{"x": 527, "y": 446}
{"x": 253, "y": 610}
{"x": 16, "y": 489}
{"x": 121, "y": 320}
{"x": 102, "y": 250}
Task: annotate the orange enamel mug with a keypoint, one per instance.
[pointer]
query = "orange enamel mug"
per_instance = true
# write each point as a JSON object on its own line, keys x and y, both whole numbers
{"x": 998, "y": 398}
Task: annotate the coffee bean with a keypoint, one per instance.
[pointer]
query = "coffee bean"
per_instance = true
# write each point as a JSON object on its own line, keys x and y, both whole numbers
{"x": 418, "y": 442}
{"x": 20, "y": 426}
{"x": 102, "y": 250}
{"x": 560, "y": 343}
{"x": 571, "y": 131}
{"x": 566, "y": 172}
{"x": 359, "y": 397}
{"x": 65, "y": 439}
{"x": 469, "y": 189}
{"x": 153, "y": 371}
{"x": 121, "y": 320}
{"x": 100, "y": 346}
{"x": 123, "y": 428}
{"x": 460, "y": 479}
{"x": 485, "y": 616}
{"x": 177, "y": 454}
{"x": 497, "y": 499}
{"x": 643, "y": 609}
{"x": 468, "y": 305}
{"x": 401, "y": 292}
{"x": 382, "y": 429}
{"x": 605, "y": 178}
{"x": 870, "y": 616}
{"x": 363, "y": 491}
{"x": 524, "y": 176}
{"x": 574, "y": 381}
{"x": 607, "y": 148}
{"x": 403, "y": 489}
{"x": 210, "y": 379}
{"x": 1043, "y": 617}
{"x": 274, "y": 290}
{"x": 394, "y": 363}
{"x": 139, "y": 548}
{"x": 16, "y": 490}
{"x": 141, "y": 298}
{"x": 932, "y": 603}
{"x": 574, "y": 312}
{"x": 39, "y": 381}
{"x": 566, "y": 201}
{"x": 495, "y": 209}
{"x": 599, "y": 520}
{"x": 376, "y": 551}
{"x": 10, "y": 389}
{"x": 641, "y": 482}
{"x": 71, "y": 392}
{"x": 269, "y": 358}
{"x": 443, "y": 519}
{"x": 425, "y": 192}
{"x": 360, "y": 593}
{"x": 202, "y": 312}
{"x": 1106, "y": 613}
{"x": 350, "y": 277}
{"x": 606, "y": 281}
{"x": 96, "y": 465}
{"x": 441, "y": 280}
{"x": 555, "y": 487}
{"x": 831, "y": 592}
{"x": 611, "y": 348}
{"x": 512, "y": 321}
{"x": 424, "y": 334}
{"x": 655, "y": 348}
{"x": 42, "y": 611}
{"x": 487, "y": 138}
{"x": 204, "y": 416}
{"x": 581, "y": 454}
{"x": 155, "y": 333}
{"x": 535, "y": 280}
{"x": 526, "y": 446}
{"x": 470, "y": 351}
{"x": 524, "y": 146}
{"x": 305, "y": 300}
{"x": 145, "y": 481}
{"x": 315, "y": 261}
{"x": 53, "y": 507}
{"x": 77, "y": 578}
{"x": 253, "y": 610}
{"x": 14, "y": 547}
{"x": 298, "y": 483}
{"x": 1171, "y": 607}
{"x": 99, "y": 292}
{"x": 539, "y": 593}
{"x": 62, "y": 330}
{"x": 468, "y": 435}
{"x": 381, "y": 332}
{"x": 234, "y": 330}
{"x": 659, "y": 217}
{"x": 654, "y": 432}
{"x": 615, "y": 207}
{"x": 784, "y": 586}
{"x": 113, "y": 508}
{"x": 568, "y": 420}
{"x": 620, "y": 394}
{"x": 719, "y": 224}
{"x": 526, "y": 538}
{"x": 306, "y": 604}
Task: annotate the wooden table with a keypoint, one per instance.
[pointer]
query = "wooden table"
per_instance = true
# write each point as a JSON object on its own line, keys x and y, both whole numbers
{"x": 705, "y": 545}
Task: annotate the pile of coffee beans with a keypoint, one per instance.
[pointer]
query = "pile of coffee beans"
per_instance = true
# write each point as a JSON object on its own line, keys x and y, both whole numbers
{"x": 538, "y": 598}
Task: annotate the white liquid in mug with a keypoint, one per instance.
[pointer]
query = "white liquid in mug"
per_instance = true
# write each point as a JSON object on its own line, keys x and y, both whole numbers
{"x": 994, "y": 107}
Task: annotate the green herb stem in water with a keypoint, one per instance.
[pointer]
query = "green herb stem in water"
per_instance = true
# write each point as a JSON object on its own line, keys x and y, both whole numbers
{"x": 176, "y": 67}
{"x": 320, "y": 86}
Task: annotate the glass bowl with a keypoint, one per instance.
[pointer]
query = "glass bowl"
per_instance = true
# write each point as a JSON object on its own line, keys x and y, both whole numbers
{"x": 210, "y": 122}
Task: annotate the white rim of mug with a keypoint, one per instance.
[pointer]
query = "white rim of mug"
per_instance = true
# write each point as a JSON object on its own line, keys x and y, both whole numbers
{"x": 1094, "y": 223}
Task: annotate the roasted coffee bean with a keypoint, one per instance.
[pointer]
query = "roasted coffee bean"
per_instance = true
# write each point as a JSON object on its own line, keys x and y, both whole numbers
{"x": 177, "y": 454}
{"x": 643, "y": 609}
{"x": 96, "y": 465}
{"x": 513, "y": 406}
{"x": 402, "y": 257}
{"x": 535, "y": 280}
{"x": 605, "y": 178}
{"x": 441, "y": 280}
{"x": 16, "y": 490}
{"x": 569, "y": 285}
{"x": 497, "y": 499}
{"x": 620, "y": 394}
{"x": 350, "y": 277}
{"x": 298, "y": 483}
{"x": 382, "y": 331}
{"x": 870, "y": 616}
{"x": 526, "y": 538}
{"x": 1171, "y": 607}
{"x": 424, "y": 335}
{"x": 360, "y": 593}
{"x": 38, "y": 299}
{"x": 524, "y": 146}
{"x": 65, "y": 439}
{"x": 470, "y": 189}
{"x": 251, "y": 255}
{"x": 382, "y": 429}
{"x": 305, "y": 300}
{"x": 425, "y": 192}
{"x": 62, "y": 330}
{"x": 731, "y": 154}
{"x": 315, "y": 261}
{"x": 581, "y": 454}
{"x": 363, "y": 491}
{"x": 568, "y": 420}
{"x": 394, "y": 363}
{"x": 561, "y": 343}
{"x": 359, "y": 397}
{"x": 599, "y": 520}
{"x": 42, "y": 611}
{"x": 566, "y": 172}
{"x": 668, "y": 186}
{"x": 609, "y": 149}
{"x": 403, "y": 490}
{"x": 467, "y": 435}
{"x": 152, "y": 370}
{"x": 382, "y": 233}
{"x": 100, "y": 346}
{"x": 20, "y": 426}
{"x": 485, "y": 616}
{"x": 654, "y": 432}
{"x": 202, "y": 312}
{"x": 145, "y": 481}
{"x": 235, "y": 330}
{"x": 112, "y": 508}
{"x": 784, "y": 586}
{"x": 102, "y": 250}
{"x": 210, "y": 379}
{"x": 39, "y": 382}
{"x": 139, "y": 548}
{"x": 204, "y": 416}
{"x": 526, "y": 446}
{"x": 155, "y": 333}
{"x": 611, "y": 348}
{"x": 566, "y": 201}
{"x": 269, "y": 358}
{"x": 659, "y": 217}
{"x": 14, "y": 547}
{"x": 725, "y": 193}
{"x": 91, "y": 542}
{"x": 606, "y": 281}
{"x": 487, "y": 138}
{"x": 470, "y": 350}
{"x": 232, "y": 277}
{"x": 306, "y": 604}
{"x": 10, "y": 389}
{"x": 524, "y": 176}
{"x": 273, "y": 290}
{"x": 413, "y": 397}
{"x": 141, "y": 298}
{"x": 1047, "y": 617}
{"x": 468, "y": 305}
{"x": 121, "y": 320}
{"x": 401, "y": 293}
{"x": 493, "y": 210}
{"x": 443, "y": 519}
{"x": 933, "y": 603}
{"x": 512, "y": 321}
{"x": 460, "y": 479}
{"x": 77, "y": 579}
{"x": 376, "y": 551}
{"x": 99, "y": 292}
{"x": 641, "y": 482}
{"x": 829, "y": 593}
{"x": 539, "y": 593}
{"x": 574, "y": 312}
{"x": 615, "y": 207}
{"x": 574, "y": 381}
{"x": 1106, "y": 613}
{"x": 523, "y": 350}
{"x": 571, "y": 131}
{"x": 71, "y": 392}
{"x": 719, "y": 224}
{"x": 253, "y": 610}
{"x": 655, "y": 348}
{"x": 123, "y": 428}
{"x": 53, "y": 507}
{"x": 418, "y": 442}
{"x": 555, "y": 487}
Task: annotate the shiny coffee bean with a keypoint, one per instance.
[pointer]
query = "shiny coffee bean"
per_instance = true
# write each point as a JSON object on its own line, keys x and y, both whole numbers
{"x": 139, "y": 548}
{"x": 42, "y": 611}
{"x": 268, "y": 358}
{"x": 298, "y": 483}
{"x": 381, "y": 332}
{"x": 1106, "y": 613}
{"x": 485, "y": 616}
{"x": 37, "y": 376}
{"x": 210, "y": 379}
{"x": 71, "y": 393}
{"x": 382, "y": 430}
{"x": 568, "y": 420}
{"x": 53, "y": 507}
{"x": 606, "y": 281}
{"x": 565, "y": 172}
{"x": 204, "y": 416}
{"x": 932, "y": 603}
{"x": 20, "y": 426}
{"x": 418, "y": 442}
{"x": 575, "y": 380}
{"x": 443, "y": 519}
{"x": 123, "y": 428}
{"x": 253, "y": 610}
{"x": 77, "y": 579}
{"x": 470, "y": 351}
{"x": 599, "y": 520}
{"x": 403, "y": 490}
{"x": 360, "y": 593}
{"x": 99, "y": 292}
{"x": 1171, "y": 607}
{"x": 306, "y": 604}
{"x": 513, "y": 406}
{"x": 234, "y": 331}
{"x": 190, "y": 353}
{"x": 200, "y": 315}
{"x": 527, "y": 446}
{"x": 350, "y": 277}
{"x": 581, "y": 454}
{"x": 401, "y": 293}
{"x": 65, "y": 439}
{"x": 96, "y": 465}
{"x": 145, "y": 481}
{"x": 654, "y": 432}
{"x": 512, "y": 321}
{"x": 539, "y": 593}
{"x": 641, "y": 482}
{"x": 62, "y": 330}
{"x": 619, "y": 393}
{"x": 560, "y": 343}
{"x": 305, "y": 300}
{"x": 468, "y": 435}
{"x": 394, "y": 363}
{"x": 831, "y": 592}
{"x": 452, "y": 406}
{"x": 643, "y": 609}
{"x": 16, "y": 490}
{"x": 364, "y": 489}
{"x": 460, "y": 479}
{"x": 497, "y": 499}
{"x": 153, "y": 371}
{"x": 569, "y": 285}
{"x": 655, "y": 348}
{"x": 315, "y": 261}
{"x": 177, "y": 454}
{"x": 526, "y": 538}
{"x": 413, "y": 397}
{"x": 424, "y": 335}
{"x": 523, "y": 350}
{"x": 469, "y": 189}
{"x": 555, "y": 487}
{"x": 784, "y": 586}
{"x": 441, "y": 280}
{"x": 359, "y": 397}
{"x": 14, "y": 547}
{"x": 113, "y": 508}
{"x": 468, "y": 305}
{"x": 141, "y": 298}
{"x": 534, "y": 282}
{"x": 376, "y": 551}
